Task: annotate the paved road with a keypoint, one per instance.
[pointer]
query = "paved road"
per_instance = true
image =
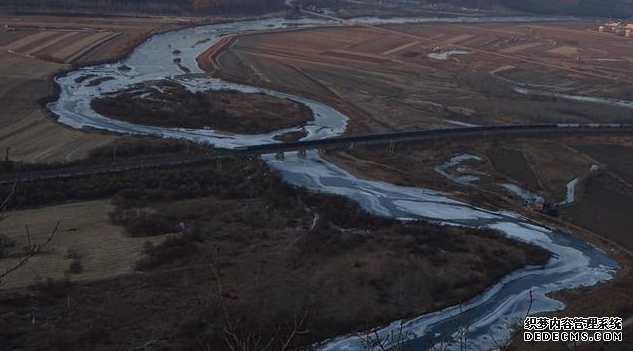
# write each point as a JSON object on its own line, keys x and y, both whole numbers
{"x": 249, "y": 151}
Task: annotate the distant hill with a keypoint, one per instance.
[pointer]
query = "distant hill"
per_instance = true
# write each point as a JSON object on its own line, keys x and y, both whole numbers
{"x": 603, "y": 8}
{"x": 143, "y": 6}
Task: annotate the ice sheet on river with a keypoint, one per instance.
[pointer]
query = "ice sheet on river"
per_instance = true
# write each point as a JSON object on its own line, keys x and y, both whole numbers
{"x": 574, "y": 263}
{"x": 153, "y": 61}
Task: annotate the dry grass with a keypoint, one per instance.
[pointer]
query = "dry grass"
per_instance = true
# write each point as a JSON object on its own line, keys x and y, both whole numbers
{"x": 104, "y": 249}
{"x": 24, "y": 126}
{"x": 565, "y": 51}
{"x": 350, "y": 272}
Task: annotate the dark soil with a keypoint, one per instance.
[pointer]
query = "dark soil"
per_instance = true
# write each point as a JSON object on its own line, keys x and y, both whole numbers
{"x": 604, "y": 209}
{"x": 512, "y": 163}
{"x": 619, "y": 158}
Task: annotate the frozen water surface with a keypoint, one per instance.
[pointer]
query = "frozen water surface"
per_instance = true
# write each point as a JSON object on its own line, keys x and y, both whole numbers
{"x": 574, "y": 263}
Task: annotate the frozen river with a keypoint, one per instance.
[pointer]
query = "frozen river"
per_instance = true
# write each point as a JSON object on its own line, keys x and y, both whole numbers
{"x": 574, "y": 262}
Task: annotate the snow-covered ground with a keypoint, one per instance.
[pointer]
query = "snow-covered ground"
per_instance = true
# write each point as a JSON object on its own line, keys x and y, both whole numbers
{"x": 593, "y": 99}
{"x": 445, "y": 55}
{"x": 463, "y": 177}
{"x": 570, "y": 196}
{"x": 523, "y": 193}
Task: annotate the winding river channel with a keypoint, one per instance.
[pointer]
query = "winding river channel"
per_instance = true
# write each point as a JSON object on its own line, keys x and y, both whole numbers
{"x": 574, "y": 262}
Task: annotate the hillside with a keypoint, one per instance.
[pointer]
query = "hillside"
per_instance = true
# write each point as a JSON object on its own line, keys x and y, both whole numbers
{"x": 606, "y": 8}
{"x": 143, "y": 6}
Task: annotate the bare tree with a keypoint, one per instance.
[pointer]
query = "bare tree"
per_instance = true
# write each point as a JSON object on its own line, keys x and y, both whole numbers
{"x": 395, "y": 340}
{"x": 398, "y": 339}
{"x": 237, "y": 338}
{"x": 31, "y": 249}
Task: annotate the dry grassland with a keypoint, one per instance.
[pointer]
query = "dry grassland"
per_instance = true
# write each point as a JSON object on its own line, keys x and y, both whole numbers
{"x": 103, "y": 249}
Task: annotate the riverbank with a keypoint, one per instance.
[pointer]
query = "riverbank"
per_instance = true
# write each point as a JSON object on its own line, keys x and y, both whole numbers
{"x": 284, "y": 251}
{"x": 415, "y": 168}
{"x": 574, "y": 263}
{"x": 32, "y": 49}
{"x": 529, "y": 163}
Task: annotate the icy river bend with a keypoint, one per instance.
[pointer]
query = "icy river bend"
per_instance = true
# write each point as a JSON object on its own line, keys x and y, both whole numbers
{"x": 574, "y": 262}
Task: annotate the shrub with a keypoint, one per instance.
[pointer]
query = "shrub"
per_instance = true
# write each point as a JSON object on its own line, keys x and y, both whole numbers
{"x": 171, "y": 250}
{"x": 75, "y": 266}
{"x": 52, "y": 288}
{"x": 72, "y": 254}
{"x": 5, "y": 244}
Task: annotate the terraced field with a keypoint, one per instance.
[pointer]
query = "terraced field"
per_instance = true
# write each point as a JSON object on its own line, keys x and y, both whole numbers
{"x": 32, "y": 51}
{"x": 388, "y": 77}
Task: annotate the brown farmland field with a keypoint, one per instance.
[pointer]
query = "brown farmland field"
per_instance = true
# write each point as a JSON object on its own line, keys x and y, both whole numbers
{"x": 383, "y": 78}
{"x": 32, "y": 51}
{"x": 25, "y": 128}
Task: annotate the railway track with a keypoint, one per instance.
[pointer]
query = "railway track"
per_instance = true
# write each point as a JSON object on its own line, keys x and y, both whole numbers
{"x": 345, "y": 141}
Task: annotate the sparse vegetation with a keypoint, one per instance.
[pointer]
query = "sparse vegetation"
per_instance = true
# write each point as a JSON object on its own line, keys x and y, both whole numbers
{"x": 75, "y": 266}
{"x": 270, "y": 252}
{"x": 315, "y": 261}
{"x": 226, "y": 110}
